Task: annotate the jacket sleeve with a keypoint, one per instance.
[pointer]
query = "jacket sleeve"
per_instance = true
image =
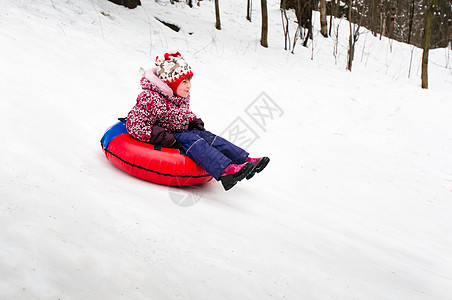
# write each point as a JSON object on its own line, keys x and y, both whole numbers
{"x": 191, "y": 116}
{"x": 142, "y": 117}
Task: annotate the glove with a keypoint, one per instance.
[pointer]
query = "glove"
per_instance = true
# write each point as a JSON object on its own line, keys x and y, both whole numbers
{"x": 168, "y": 140}
{"x": 160, "y": 136}
{"x": 196, "y": 124}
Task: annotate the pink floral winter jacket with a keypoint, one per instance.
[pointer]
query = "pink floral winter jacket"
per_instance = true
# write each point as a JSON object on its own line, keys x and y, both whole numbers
{"x": 158, "y": 112}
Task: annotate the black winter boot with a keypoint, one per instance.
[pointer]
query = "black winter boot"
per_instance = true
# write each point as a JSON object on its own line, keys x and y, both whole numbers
{"x": 230, "y": 180}
{"x": 263, "y": 162}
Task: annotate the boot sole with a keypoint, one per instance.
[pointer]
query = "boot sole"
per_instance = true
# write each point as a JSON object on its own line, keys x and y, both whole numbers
{"x": 259, "y": 167}
{"x": 229, "y": 181}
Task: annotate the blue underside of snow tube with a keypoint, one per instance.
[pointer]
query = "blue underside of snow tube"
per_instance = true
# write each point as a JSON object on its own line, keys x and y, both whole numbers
{"x": 112, "y": 132}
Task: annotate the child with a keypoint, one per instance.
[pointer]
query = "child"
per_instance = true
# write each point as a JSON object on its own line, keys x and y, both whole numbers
{"x": 162, "y": 116}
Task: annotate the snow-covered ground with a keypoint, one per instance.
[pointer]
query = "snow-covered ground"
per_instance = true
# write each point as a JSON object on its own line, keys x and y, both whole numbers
{"x": 355, "y": 204}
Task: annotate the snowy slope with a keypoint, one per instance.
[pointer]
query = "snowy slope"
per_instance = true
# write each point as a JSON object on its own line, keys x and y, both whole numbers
{"x": 355, "y": 204}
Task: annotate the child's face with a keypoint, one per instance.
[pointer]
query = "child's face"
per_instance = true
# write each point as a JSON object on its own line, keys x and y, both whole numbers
{"x": 184, "y": 88}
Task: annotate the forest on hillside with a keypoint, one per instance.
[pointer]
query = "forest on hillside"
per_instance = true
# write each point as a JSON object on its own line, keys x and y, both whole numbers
{"x": 401, "y": 20}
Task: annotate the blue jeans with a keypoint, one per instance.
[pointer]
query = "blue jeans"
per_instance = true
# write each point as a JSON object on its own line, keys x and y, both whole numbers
{"x": 211, "y": 152}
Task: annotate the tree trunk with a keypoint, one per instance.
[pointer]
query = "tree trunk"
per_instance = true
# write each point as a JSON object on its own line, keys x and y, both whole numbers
{"x": 217, "y": 15}
{"x": 248, "y": 9}
{"x": 351, "y": 47}
{"x": 354, "y": 32}
{"x": 336, "y": 8}
{"x": 382, "y": 18}
{"x": 426, "y": 46}
{"x": 323, "y": 23}
{"x": 333, "y": 10}
{"x": 285, "y": 24}
{"x": 392, "y": 19}
{"x": 264, "y": 31}
{"x": 410, "y": 22}
{"x": 307, "y": 9}
{"x": 374, "y": 17}
{"x": 449, "y": 34}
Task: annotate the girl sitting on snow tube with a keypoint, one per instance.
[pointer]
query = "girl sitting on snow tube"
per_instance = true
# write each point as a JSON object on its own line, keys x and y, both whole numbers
{"x": 162, "y": 116}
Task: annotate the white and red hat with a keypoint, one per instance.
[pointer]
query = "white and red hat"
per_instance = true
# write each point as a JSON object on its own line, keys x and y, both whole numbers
{"x": 172, "y": 69}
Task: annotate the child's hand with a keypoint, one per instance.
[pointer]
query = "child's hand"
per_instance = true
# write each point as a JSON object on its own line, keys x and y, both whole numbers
{"x": 160, "y": 136}
{"x": 196, "y": 124}
{"x": 168, "y": 140}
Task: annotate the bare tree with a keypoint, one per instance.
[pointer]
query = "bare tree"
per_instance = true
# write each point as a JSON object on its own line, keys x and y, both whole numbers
{"x": 264, "y": 30}
{"x": 374, "y": 17}
{"x": 285, "y": 24}
{"x": 382, "y": 17}
{"x": 333, "y": 14}
{"x": 323, "y": 23}
{"x": 427, "y": 38}
{"x": 217, "y": 15}
{"x": 304, "y": 19}
{"x": 336, "y": 41}
{"x": 392, "y": 19}
{"x": 449, "y": 33}
{"x": 400, "y": 20}
{"x": 248, "y": 9}
{"x": 303, "y": 11}
{"x": 410, "y": 22}
{"x": 354, "y": 34}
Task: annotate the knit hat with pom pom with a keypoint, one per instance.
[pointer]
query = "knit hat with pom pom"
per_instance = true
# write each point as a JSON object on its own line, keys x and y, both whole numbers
{"x": 172, "y": 69}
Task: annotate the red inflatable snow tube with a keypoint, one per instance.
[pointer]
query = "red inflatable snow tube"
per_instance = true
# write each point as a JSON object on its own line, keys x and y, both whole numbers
{"x": 153, "y": 163}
